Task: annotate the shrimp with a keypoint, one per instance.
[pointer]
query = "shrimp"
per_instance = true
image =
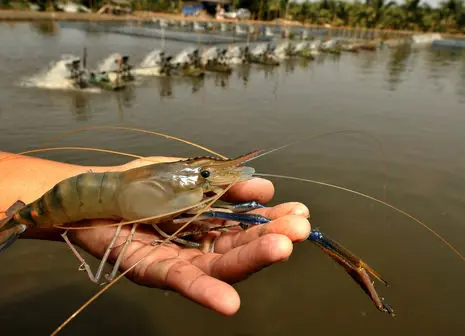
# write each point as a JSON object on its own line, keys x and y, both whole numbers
{"x": 160, "y": 191}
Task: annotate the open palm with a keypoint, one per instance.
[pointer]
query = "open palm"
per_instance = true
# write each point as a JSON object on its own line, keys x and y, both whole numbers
{"x": 205, "y": 277}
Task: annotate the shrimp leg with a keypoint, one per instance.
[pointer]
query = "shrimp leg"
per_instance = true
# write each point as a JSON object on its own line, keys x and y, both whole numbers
{"x": 177, "y": 239}
{"x": 128, "y": 241}
{"x": 84, "y": 265}
{"x": 246, "y": 219}
{"x": 207, "y": 228}
{"x": 225, "y": 211}
{"x": 250, "y": 219}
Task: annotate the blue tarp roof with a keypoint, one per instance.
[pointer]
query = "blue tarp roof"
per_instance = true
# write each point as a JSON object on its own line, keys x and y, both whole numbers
{"x": 191, "y": 9}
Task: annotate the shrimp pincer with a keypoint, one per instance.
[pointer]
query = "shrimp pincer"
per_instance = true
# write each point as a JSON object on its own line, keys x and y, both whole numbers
{"x": 174, "y": 192}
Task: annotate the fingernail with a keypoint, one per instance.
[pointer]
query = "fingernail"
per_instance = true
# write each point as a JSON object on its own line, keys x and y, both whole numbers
{"x": 301, "y": 211}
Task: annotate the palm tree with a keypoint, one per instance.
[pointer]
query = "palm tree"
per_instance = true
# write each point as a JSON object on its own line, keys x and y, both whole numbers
{"x": 413, "y": 15}
{"x": 395, "y": 17}
{"x": 453, "y": 15}
{"x": 305, "y": 10}
{"x": 377, "y": 8}
{"x": 274, "y": 8}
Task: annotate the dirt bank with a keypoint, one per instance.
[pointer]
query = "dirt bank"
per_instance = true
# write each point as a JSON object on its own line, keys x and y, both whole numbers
{"x": 28, "y": 15}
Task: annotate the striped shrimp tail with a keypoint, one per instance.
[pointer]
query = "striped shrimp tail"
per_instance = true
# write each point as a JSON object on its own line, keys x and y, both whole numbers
{"x": 10, "y": 230}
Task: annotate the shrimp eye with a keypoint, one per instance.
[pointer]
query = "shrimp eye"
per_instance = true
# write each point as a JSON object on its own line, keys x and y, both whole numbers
{"x": 205, "y": 173}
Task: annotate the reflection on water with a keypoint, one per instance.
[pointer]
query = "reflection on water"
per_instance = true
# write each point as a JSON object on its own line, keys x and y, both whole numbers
{"x": 197, "y": 84}
{"x": 289, "y": 66}
{"x": 368, "y": 61}
{"x": 268, "y": 71}
{"x": 45, "y": 27}
{"x": 443, "y": 66}
{"x": 80, "y": 104}
{"x": 127, "y": 97}
{"x": 410, "y": 101}
{"x": 165, "y": 87}
{"x": 396, "y": 66}
{"x": 221, "y": 80}
{"x": 243, "y": 73}
{"x": 460, "y": 87}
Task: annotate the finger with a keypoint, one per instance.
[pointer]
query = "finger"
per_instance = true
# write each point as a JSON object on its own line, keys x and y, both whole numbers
{"x": 283, "y": 209}
{"x": 187, "y": 279}
{"x": 239, "y": 263}
{"x": 257, "y": 189}
{"x": 295, "y": 228}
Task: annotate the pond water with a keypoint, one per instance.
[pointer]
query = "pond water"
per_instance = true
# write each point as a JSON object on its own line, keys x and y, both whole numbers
{"x": 407, "y": 108}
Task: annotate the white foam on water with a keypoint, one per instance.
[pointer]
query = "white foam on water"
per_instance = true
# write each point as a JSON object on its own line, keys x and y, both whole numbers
{"x": 55, "y": 77}
{"x": 109, "y": 64}
{"x": 152, "y": 59}
{"x": 183, "y": 56}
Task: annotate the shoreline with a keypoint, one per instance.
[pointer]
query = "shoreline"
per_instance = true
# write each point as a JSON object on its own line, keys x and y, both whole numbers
{"x": 12, "y": 16}
{"x": 9, "y": 15}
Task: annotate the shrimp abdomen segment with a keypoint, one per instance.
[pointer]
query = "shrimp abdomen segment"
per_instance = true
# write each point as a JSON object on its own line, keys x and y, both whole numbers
{"x": 85, "y": 196}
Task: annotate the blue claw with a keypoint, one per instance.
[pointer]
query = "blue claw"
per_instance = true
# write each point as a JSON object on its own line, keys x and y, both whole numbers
{"x": 247, "y": 206}
{"x": 247, "y": 219}
{"x": 354, "y": 266}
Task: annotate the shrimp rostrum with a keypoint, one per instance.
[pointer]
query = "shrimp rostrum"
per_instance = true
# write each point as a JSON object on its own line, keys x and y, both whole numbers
{"x": 176, "y": 193}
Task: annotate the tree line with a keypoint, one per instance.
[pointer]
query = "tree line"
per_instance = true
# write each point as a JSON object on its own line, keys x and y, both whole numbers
{"x": 416, "y": 15}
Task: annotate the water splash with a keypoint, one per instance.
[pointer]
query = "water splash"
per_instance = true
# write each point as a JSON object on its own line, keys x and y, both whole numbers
{"x": 301, "y": 46}
{"x": 235, "y": 55}
{"x": 109, "y": 64}
{"x": 259, "y": 49}
{"x": 281, "y": 50}
{"x": 185, "y": 56}
{"x": 153, "y": 59}
{"x": 55, "y": 77}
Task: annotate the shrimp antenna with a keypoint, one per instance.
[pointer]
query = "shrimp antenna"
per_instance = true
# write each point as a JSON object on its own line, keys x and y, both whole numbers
{"x": 101, "y": 150}
{"x": 135, "y": 130}
{"x": 449, "y": 245}
{"x": 345, "y": 132}
{"x": 45, "y": 149}
{"x": 90, "y": 149}
{"x": 314, "y": 137}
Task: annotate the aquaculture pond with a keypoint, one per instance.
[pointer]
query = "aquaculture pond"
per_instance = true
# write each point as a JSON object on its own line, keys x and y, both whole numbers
{"x": 402, "y": 111}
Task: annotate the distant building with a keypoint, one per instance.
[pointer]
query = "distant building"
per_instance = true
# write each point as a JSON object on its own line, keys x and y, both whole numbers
{"x": 116, "y": 7}
{"x": 191, "y": 8}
